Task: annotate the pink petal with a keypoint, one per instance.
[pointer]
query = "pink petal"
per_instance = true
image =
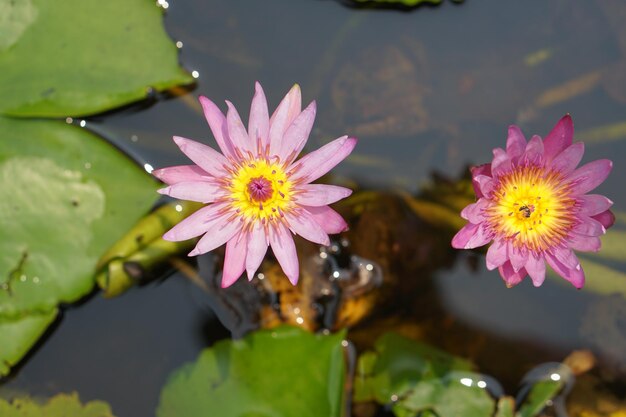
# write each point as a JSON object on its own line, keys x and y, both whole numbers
{"x": 584, "y": 243}
{"x": 237, "y": 132}
{"x": 303, "y": 224}
{"x": 501, "y": 163}
{"x": 221, "y": 230}
{"x": 606, "y": 218}
{"x": 284, "y": 249}
{"x": 481, "y": 170}
{"x": 534, "y": 151}
{"x": 565, "y": 256}
{"x": 589, "y": 227}
{"x": 297, "y": 134}
{"x": 196, "y": 224}
{"x": 285, "y": 113}
{"x": 317, "y": 195}
{"x": 200, "y": 191}
{"x": 574, "y": 275}
{"x": 217, "y": 123}
{"x": 259, "y": 121}
{"x": 181, "y": 173}
{"x": 234, "y": 261}
{"x": 257, "y": 247}
{"x": 206, "y": 157}
{"x": 515, "y": 142}
{"x": 485, "y": 184}
{"x": 517, "y": 257}
{"x": 592, "y": 204}
{"x": 471, "y": 236}
{"x": 319, "y": 162}
{"x": 568, "y": 160}
{"x": 589, "y": 176}
{"x": 559, "y": 138}
{"x": 510, "y": 276}
{"x": 329, "y": 219}
{"x": 536, "y": 269}
{"x": 474, "y": 213}
{"x": 497, "y": 254}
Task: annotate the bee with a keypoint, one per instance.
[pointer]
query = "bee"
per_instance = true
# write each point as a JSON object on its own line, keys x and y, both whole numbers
{"x": 527, "y": 210}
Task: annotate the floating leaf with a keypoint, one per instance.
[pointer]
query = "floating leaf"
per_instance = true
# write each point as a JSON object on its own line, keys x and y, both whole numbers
{"x": 19, "y": 335}
{"x": 419, "y": 378}
{"x": 110, "y": 54}
{"x": 61, "y": 405}
{"x": 284, "y": 372}
{"x": 65, "y": 197}
{"x": 539, "y": 397}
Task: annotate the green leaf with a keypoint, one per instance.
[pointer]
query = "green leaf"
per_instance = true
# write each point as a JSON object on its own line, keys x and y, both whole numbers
{"x": 110, "y": 53}
{"x": 19, "y": 335}
{"x": 66, "y": 195}
{"x": 61, "y": 405}
{"x": 419, "y": 378}
{"x": 538, "y": 398}
{"x": 283, "y": 372}
{"x": 506, "y": 407}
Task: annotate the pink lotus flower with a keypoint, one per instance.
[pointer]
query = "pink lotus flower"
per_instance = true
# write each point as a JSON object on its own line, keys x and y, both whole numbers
{"x": 256, "y": 190}
{"x": 533, "y": 204}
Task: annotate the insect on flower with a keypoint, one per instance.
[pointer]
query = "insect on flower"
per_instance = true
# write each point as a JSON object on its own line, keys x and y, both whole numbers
{"x": 257, "y": 192}
{"x": 533, "y": 204}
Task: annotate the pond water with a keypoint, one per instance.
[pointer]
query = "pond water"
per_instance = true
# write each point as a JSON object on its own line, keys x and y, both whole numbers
{"x": 429, "y": 90}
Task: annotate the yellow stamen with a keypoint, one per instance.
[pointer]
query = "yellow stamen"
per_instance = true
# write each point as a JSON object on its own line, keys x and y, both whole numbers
{"x": 533, "y": 208}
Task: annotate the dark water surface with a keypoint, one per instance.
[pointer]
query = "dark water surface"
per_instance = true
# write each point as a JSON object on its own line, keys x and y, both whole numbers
{"x": 432, "y": 89}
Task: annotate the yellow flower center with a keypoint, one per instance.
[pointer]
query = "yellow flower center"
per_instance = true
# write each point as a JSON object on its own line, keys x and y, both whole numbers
{"x": 260, "y": 190}
{"x": 533, "y": 208}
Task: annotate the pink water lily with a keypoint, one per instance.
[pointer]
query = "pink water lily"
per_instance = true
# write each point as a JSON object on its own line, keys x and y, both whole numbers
{"x": 533, "y": 204}
{"x": 256, "y": 192}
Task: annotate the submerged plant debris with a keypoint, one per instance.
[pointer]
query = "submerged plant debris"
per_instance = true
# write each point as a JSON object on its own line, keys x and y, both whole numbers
{"x": 61, "y": 405}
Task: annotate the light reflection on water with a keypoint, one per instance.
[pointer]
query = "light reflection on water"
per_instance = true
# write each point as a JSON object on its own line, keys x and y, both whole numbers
{"x": 428, "y": 90}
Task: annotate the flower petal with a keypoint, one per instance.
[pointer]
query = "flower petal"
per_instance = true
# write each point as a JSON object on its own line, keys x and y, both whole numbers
{"x": 257, "y": 247}
{"x": 565, "y": 256}
{"x": 497, "y": 254}
{"x": 196, "y": 224}
{"x": 589, "y": 176}
{"x": 584, "y": 243}
{"x": 303, "y": 224}
{"x": 606, "y": 218}
{"x": 501, "y": 163}
{"x": 217, "y": 123}
{"x": 235, "y": 259}
{"x": 485, "y": 184}
{"x": 592, "y": 204}
{"x": 515, "y": 142}
{"x": 285, "y": 113}
{"x": 200, "y": 191}
{"x": 297, "y": 134}
{"x": 221, "y": 230}
{"x": 474, "y": 213}
{"x": 237, "y": 132}
{"x": 533, "y": 154}
{"x": 510, "y": 276}
{"x": 317, "y": 195}
{"x": 181, "y": 173}
{"x": 517, "y": 256}
{"x": 536, "y": 269}
{"x": 471, "y": 236}
{"x": 319, "y": 162}
{"x": 568, "y": 160}
{"x": 284, "y": 250}
{"x": 574, "y": 275}
{"x": 481, "y": 170}
{"x": 329, "y": 219}
{"x": 206, "y": 157}
{"x": 259, "y": 121}
{"x": 559, "y": 138}
{"x": 588, "y": 226}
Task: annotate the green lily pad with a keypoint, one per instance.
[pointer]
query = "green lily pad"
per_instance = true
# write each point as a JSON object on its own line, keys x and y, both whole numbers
{"x": 61, "y": 405}
{"x": 419, "y": 378}
{"x": 80, "y": 57}
{"x": 539, "y": 397}
{"x": 19, "y": 335}
{"x": 283, "y": 372}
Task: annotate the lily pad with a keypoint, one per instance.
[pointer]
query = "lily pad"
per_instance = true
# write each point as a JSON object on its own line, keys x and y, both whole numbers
{"x": 19, "y": 335}
{"x": 66, "y": 195}
{"x": 282, "y": 372}
{"x": 80, "y": 57}
{"x": 61, "y": 405}
{"x": 416, "y": 378}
